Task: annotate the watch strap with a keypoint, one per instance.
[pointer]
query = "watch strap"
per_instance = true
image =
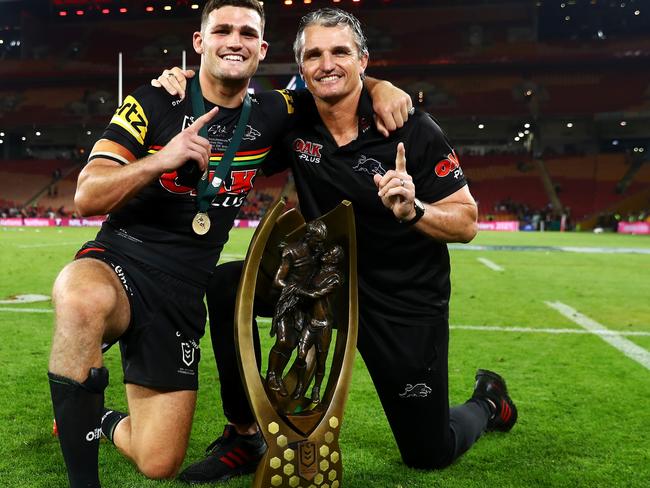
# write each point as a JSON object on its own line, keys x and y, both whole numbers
{"x": 419, "y": 212}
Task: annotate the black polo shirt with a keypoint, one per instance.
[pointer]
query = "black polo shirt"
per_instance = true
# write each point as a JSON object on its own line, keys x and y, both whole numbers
{"x": 403, "y": 274}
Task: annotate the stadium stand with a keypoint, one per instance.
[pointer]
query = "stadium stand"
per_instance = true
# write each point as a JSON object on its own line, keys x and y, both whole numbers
{"x": 585, "y": 184}
{"x": 39, "y": 184}
{"x": 266, "y": 189}
{"x": 482, "y": 71}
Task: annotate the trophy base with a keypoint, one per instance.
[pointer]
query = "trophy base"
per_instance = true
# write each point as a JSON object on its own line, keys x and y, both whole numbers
{"x": 301, "y": 462}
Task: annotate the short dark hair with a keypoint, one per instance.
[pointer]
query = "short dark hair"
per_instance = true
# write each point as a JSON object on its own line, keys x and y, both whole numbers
{"x": 330, "y": 17}
{"x": 215, "y": 4}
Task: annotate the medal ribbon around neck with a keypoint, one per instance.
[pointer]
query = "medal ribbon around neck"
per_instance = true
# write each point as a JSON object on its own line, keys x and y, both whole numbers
{"x": 208, "y": 189}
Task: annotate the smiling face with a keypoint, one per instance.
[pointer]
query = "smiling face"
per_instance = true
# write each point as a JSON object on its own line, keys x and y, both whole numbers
{"x": 331, "y": 63}
{"x": 230, "y": 43}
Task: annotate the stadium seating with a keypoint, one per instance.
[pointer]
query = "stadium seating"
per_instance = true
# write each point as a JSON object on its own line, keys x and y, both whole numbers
{"x": 265, "y": 191}
{"x": 469, "y": 62}
{"x": 585, "y": 184}
{"x": 22, "y": 180}
{"x": 496, "y": 178}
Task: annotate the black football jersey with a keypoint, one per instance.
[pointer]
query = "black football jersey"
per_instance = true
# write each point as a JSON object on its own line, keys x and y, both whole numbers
{"x": 403, "y": 274}
{"x": 155, "y": 226}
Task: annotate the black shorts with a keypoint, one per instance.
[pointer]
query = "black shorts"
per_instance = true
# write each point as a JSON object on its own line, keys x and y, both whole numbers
{"x": 160, "y": 348}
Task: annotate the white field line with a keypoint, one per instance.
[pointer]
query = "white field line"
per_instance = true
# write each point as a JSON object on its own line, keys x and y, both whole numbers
{"x": 627, "y": 347}
{"x": 27, "y": 298}
{"x": 490, "y": 264}
{"x": 492, "y": 328}
{"x": 482, "y": 328}
{"x": 25, "y": 310}
{"x": 604, "y": 250}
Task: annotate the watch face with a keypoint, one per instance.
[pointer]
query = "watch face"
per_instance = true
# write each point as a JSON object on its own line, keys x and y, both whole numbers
{"x": 419, "y": 206}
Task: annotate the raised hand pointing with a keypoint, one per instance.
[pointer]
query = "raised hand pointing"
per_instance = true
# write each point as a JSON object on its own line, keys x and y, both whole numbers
{"x": 396, "y": 188}
{"x": 188, "y": 144}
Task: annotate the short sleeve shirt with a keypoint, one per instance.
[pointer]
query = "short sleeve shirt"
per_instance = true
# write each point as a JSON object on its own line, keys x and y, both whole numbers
{"x": 403, "y": 274}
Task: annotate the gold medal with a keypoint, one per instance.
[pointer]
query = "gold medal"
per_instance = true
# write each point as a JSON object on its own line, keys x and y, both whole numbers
{"x": 201, "y": 223}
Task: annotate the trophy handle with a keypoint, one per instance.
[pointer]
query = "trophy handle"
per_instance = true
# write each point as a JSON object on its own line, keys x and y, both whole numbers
{"x": 248, "y": 285}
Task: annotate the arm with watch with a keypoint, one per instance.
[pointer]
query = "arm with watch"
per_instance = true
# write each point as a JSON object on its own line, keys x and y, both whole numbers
{"x": 450, "y": 219}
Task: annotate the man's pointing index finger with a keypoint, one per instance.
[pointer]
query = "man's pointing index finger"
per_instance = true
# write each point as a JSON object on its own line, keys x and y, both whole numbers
{"x": 202, "y": 120}
{"x": 400, "y": 159}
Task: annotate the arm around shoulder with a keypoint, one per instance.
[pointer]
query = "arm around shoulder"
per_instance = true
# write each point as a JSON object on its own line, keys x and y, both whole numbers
{"x": 392, "y": 105}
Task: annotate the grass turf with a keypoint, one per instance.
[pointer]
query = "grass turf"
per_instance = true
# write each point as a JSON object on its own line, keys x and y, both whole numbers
{"x": 583, "y": 405}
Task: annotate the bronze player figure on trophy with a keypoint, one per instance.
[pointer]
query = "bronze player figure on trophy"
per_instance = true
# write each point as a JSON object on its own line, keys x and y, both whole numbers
{"x": 317, "y": 331}
{"x": 308, "y": 269}
{"x": 297, "y": 267}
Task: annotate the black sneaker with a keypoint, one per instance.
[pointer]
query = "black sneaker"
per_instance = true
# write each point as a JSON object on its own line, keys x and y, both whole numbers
{"x": 230, "y": 455}
{"x": 490, "y": 385}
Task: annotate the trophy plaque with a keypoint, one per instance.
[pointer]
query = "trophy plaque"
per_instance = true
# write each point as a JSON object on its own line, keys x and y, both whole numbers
{"x": 308, "y": 269}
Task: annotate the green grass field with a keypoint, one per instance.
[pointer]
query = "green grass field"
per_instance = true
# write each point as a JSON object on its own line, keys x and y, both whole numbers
{"x": 584, "y": 405}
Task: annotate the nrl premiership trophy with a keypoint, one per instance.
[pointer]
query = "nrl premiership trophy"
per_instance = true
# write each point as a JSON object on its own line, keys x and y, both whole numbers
{"x": 308, "y": 270}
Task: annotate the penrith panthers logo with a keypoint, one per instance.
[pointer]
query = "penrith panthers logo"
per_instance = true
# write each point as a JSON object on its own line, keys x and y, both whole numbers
{"x": 250, "y": 134}
{"x": 419, "y": 390}
{"x": 370, "y": 166}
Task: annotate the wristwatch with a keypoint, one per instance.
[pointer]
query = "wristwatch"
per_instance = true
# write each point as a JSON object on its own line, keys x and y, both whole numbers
{"x": 419, "y": 212}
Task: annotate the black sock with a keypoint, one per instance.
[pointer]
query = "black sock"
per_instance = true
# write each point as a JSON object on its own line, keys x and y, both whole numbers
{"x": 77, "y": 411}
{"x": 110, "y": 419}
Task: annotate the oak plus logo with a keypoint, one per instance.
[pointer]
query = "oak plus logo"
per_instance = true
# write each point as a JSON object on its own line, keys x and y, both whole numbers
{"x": 307, "y": 151}
{"x": 232, "y": 191}
{"x": 449, "y": 165}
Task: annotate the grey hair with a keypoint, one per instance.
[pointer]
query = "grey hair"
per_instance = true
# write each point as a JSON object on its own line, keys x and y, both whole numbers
{"x": 330, "y": 17}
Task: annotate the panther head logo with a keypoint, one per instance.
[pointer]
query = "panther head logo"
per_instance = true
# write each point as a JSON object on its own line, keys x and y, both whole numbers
{"x": 370, "y": 166}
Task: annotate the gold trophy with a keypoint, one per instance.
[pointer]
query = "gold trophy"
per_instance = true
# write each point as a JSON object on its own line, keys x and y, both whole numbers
{"x": 309, "y": 271}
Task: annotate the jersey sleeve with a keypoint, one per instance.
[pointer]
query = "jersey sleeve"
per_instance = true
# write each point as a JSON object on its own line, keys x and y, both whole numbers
{"x": 285, "y": 107}
{"x": 432, "y": 162}
{"x": 132, "y": 123}
{"x": 303, "y": 101}
{"x": 277, "y": 160}
{"x": 299, "y": 106}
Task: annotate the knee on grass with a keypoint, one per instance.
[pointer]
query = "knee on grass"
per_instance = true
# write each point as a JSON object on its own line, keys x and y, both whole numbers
{"x": 427, "y": 460}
